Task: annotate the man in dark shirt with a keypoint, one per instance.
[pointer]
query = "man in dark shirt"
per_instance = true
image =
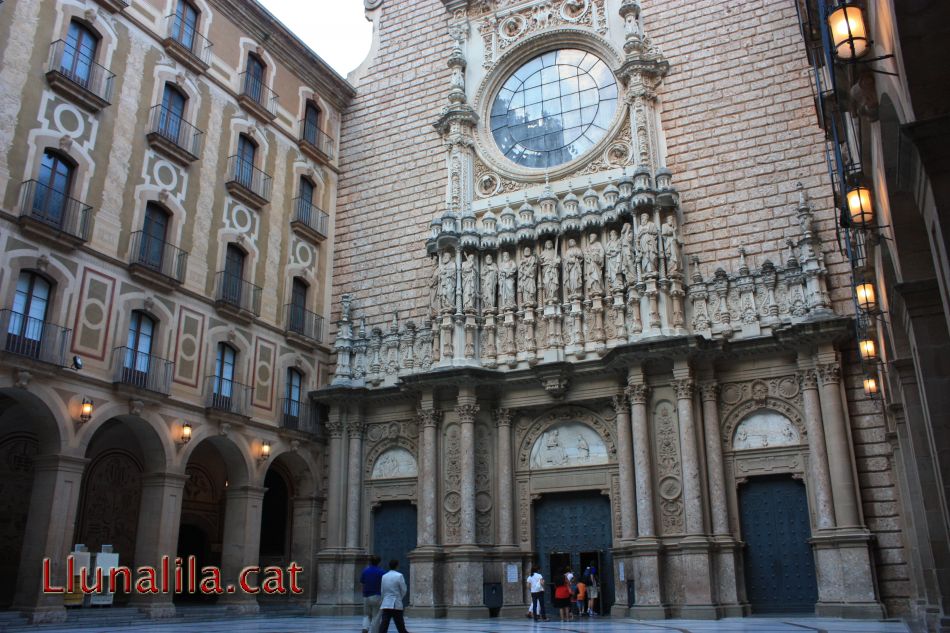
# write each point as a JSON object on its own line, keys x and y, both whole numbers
{"x": 370, "y": 579}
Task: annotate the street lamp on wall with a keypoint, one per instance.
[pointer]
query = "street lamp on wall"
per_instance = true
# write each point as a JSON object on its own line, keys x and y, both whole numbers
{"x": 85, "y": 410}
{"x": 870, "y": 386}
{"x": 860, "y": 208}
{"x": 849, "y": 32}
{"x": 867, "y": 299}
{"x": 265, "y": 451}
{"x": 185, "y": 433}
{"x": 868, "y": 350}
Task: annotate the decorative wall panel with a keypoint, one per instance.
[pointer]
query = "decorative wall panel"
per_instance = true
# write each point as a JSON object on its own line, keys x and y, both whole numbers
{"x": 94, "y": 314}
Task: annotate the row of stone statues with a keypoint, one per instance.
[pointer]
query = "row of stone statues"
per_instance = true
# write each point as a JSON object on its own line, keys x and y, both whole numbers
{"x": 597, "y": 270}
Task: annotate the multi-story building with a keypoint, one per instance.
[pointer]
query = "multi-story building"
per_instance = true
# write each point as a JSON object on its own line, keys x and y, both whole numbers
{"x": 168, "y": 178}
{"x": 598, "y": 307}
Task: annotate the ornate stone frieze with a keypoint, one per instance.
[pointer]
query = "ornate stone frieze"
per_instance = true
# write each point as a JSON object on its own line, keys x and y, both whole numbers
{"x": 452, "y": 477}
{"x": 484, "y": 501}
{"x": 528, "y": 433}
{"x": 781, "y": 394}
{"x": 669, "y": 475}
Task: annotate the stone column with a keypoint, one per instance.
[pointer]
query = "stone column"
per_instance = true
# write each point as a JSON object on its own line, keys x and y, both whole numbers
{"x": 714, "y": 463}
{"x": 428, "y": 477}
{"x": 305, "y": 542}
{"x": 157, "y": 536}
{"x": 628, "y": 516}
{"x": 336, "y": 481}
{"x": 242, "y": 543}
{"x": 506, "y": 522}
{"x": 692, "y": 487}
{"x": 844, "y": 495}
{"x": 49, "y": 530}
{"x": 818, "y": 475}
{"x": 466, "y": 412}
{"x": 354, "y": 482}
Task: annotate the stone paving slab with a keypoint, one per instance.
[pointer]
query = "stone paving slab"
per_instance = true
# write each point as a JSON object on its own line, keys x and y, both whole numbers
{"x": 265, "y": 624}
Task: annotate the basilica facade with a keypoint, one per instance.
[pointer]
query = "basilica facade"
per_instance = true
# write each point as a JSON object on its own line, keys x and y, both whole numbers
{"x": 594, "y": 315}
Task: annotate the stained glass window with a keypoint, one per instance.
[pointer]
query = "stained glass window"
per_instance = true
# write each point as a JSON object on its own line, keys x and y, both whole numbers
{"x": 554, "y": 108}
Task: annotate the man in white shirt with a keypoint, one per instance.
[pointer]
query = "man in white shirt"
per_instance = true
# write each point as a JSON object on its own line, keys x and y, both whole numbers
{"x": 536, "y": 587}
{"x": 393, "y": 588}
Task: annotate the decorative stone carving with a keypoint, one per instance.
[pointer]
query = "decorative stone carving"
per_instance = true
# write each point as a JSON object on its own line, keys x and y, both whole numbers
{"x": 566, "y": 445}
{"x": 529, "y": 434}
{"x": 671, "y": 243}
{"x": 527, "y": 278}
{"x": 637, "y": 393}
{"x": 647, "y": 245}
{"x": 765, "y": 429}
{"x": 483, "y": 484}
{"x": 614, "y": 259}
{"x": 447, "y": 283}
{"x": 550, "y": 273}
{"x": 452, "y": 473}
{"x": 573, "y": 270}
{"x": 594, "y": 266}
{"x": 469, "y": 282}
{"x": 489, "y": 282}
{"x": 829, "y": 373}
{"x": 508, "y": 273}
{"x": 394, "y": 463}
{"x": 669, "y": 476}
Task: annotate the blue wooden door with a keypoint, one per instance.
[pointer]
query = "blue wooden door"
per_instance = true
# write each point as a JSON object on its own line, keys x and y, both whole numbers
{"x": 575, "y": 527}
{"x": 394, "y": 534}
{"x": 779, "y": 564}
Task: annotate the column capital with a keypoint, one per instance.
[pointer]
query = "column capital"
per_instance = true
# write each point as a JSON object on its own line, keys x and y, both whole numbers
{"x": 467, "y": 412}
{"x": 709, "y": 390}
{"x": 683, "y": 388}
{"x": 355, "y": 428}
{"x": 807, "y": 379}
{"x": 502, "y": 417}
{"x": 637, "y": 393}
{"x": 620, "y": 402}
{"x": 829, "y": 373}
{"x": 429, "y": 417}
{"x": 334, "y": 426}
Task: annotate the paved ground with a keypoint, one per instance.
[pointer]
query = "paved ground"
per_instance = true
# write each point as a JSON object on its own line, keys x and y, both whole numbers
{"x": 270, "y": 624}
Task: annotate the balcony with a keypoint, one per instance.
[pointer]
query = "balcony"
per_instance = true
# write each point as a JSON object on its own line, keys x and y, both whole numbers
{"x": 309, "y": 220}
{"x": 303, "y": 326}
{"x": 78, "y": 78}
{"x": 257, "y": 98}
{"x": 172, "y": 136}
{"x": 114, "y": 6}
{"x": 186, "y": 45}
{"x": 34, "y": 339}
{"x": 156, "y": 261}
{"x": 52, "y": 215}
{"x": 296, "y": 415}
{"x": 142, "y": 371}
{"x": 247, "y": 183}
{"x": 238, "y": 298}
{"x": 227, "y": 397}
{"x": 315, "y": 143}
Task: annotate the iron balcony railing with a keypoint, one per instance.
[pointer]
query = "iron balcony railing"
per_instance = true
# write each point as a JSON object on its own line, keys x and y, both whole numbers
{"x": 158, "y": 256}
{"x": 255, "y": 88}
{"x": 34, "y": 338}
{"x": 226, "y": 395}
{"x": 189, "y": 38}
{"x": 141, "y": 370}
{"x": 304, "y": 322}
{"x": 296, "y": 415}
{"x": 244, "y": 173}
{"x": 173, "y": 128}
{"x": 312, "y": 134}
{"x": 311, "y": 216}
{"x": 81, "y": 70}
{"x": 55, "y": 209}
{"x": 234, "y": 291}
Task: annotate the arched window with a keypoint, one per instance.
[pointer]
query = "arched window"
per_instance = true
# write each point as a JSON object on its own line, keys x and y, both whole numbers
{"x": 292, "y": 395}
{"x": 223, "y": 384}
{"x": 79, "y": 54}
{"x": 154, "y": 233}
{"x": 52, "y": 192}
{"x": 138, "y": 352}
{"x": 28, "y": 317}
{"x": 185, "y": 25}
{"x": 254, "y": 78}
{"x": 233, "y": 274}
{"x": 173, "y": 112}
{"x": 246, "y": 158}
{"x": 311, "y": 123}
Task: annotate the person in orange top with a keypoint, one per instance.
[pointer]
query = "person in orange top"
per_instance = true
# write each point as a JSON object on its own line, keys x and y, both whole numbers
{"x": 582, "y": 597}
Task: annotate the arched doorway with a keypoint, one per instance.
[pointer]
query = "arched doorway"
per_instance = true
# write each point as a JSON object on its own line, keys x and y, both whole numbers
{"x": 394, "y": 534}
{"x": 201, "y": 531}
{"x": 18, "y": 448}
{"x": 779, "y": 563}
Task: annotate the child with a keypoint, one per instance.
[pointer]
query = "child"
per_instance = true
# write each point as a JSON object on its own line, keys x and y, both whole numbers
{"x": 581, "y": 598}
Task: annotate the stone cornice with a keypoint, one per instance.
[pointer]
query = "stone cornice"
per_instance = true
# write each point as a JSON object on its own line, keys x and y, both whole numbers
{"x": 290, "y": 50}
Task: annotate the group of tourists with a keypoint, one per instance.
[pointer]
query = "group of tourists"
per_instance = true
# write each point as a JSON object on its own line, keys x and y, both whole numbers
{"x": 574, "y": 596}
{"x": 383, "y": 592}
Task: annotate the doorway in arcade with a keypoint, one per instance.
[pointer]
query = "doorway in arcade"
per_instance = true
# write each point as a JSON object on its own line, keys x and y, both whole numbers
{"x": 573, "y": 529}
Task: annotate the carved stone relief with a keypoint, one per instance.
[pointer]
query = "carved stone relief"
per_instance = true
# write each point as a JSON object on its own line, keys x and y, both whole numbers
{"x": 568, "y": 444}
{"x": 394, "y": 463}
{"x": 778, "y": 397}
{"x": 537, "y": 434}
{"x": 483, "y": 480}
{"x": 669, "y": 476}
{"x": 765, "y": 429}
{"x": 452, "y": 473}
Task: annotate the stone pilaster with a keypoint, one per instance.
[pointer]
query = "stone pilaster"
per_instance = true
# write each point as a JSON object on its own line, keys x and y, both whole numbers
{"x": 843, "y": 488}
{"x": 157, "y": 536}
{"x": 336, "y": 482}
{"x": 305, "y": 542}
{"x": 628, "y": 516}
{"x": 506, "y": 520}
{"x": 820, "y": 480}
{"x": 241, "y": 543}
{"x": 354, "y": 482}
{"x": 426, "y": 584}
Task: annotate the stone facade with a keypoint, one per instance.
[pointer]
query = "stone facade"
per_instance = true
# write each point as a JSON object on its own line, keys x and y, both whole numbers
{"x": 670, "y": 300}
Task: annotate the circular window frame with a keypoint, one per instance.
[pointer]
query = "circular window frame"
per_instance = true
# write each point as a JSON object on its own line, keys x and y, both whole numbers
{"x": 510, "y": 62}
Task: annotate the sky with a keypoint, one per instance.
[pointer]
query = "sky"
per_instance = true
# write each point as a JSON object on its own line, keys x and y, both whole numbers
{"x": 337, "y": 30}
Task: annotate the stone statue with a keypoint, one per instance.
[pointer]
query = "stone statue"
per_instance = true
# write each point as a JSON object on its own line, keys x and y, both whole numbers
{"x": 628, "y": 256}
{"x": 528, "y": 277}
{"x": 550, "y": 263}
{"x": 670, "y": 242}
{"x": 594, "y": 266}
{"x": 573, "y": 270}
{"x": 447, "y": 282}
{"x": 469, "y": 282}
{"x": 647, "y": 241}
{"x": 614, "y": 257}
{"x": 508, "y": 273}
{"x": 489, "y": 282}
{"x": 434, "y": 305}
